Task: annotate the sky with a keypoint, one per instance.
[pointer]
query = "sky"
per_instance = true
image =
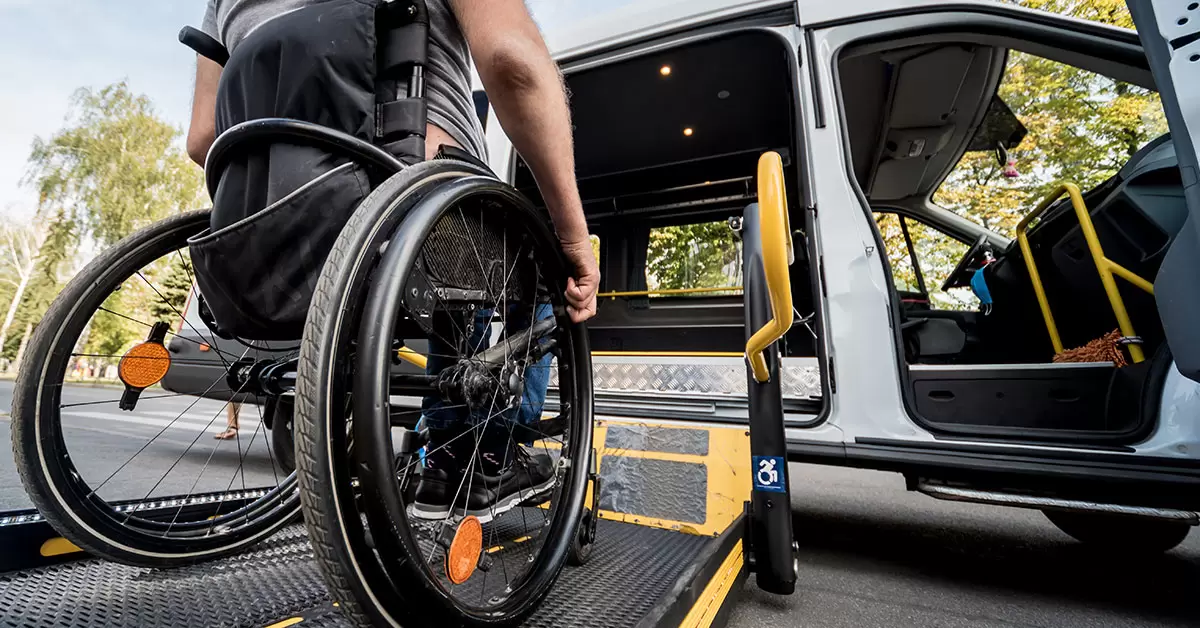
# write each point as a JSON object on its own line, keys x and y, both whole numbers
{"x": 51, "y": 48}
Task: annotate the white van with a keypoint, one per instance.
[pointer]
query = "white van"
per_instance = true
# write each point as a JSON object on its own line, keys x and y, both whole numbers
{"x": 893, "y": 364}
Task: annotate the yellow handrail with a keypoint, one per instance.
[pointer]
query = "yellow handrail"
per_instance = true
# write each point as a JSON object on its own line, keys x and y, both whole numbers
{"x": 776, "y": 236}
{"x": 646, "y": 293}
{"x": 1104, "y": 266}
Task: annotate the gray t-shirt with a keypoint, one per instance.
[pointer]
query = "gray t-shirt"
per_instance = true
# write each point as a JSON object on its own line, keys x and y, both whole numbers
{"x": 447, "y": 75}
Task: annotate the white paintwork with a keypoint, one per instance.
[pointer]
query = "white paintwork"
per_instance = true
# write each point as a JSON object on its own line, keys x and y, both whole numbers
{"x": 868, "y": 402}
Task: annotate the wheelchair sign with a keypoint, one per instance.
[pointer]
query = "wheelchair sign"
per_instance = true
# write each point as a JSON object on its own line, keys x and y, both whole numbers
{"x": 768, "y": 474}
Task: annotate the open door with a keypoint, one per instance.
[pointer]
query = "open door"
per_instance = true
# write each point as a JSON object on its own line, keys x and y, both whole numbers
{"x": 1170, "y": 34}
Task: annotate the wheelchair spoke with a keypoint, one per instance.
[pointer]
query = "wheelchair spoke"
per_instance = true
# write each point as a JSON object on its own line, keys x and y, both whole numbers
{"x": 178, "y": 313}
{"x": 185, "y": 451}
{"x": 169, "y": 332}
{"x": 168, "y": 426}
{"x": 274, "y": 426}
{"x": 112, "y": 401}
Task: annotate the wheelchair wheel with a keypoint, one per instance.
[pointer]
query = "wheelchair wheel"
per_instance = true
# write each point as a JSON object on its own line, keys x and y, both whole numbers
{"x": 283, "y": 439}
{"x": 444, "y": 253}
{"x": 137, "y": 477}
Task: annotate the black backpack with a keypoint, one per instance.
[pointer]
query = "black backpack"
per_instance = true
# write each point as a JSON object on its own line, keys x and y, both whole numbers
{"x": 353, "y": 66}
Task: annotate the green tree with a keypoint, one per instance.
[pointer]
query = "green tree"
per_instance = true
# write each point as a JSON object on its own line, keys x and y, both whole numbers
{"x": 53, "y": 256}
{"x": 175, "y": 284}
{"x": 114, "y": 167}
{"x": 704, "y": 255}
{"x": 1082, "y": 127}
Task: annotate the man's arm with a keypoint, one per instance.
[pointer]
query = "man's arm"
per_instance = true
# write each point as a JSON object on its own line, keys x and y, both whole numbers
{"x": 203, "y": 130}
{"x": 526, "y": 90}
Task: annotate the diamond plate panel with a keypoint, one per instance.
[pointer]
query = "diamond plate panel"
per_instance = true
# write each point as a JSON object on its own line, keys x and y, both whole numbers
{"x": 801, "y": 378}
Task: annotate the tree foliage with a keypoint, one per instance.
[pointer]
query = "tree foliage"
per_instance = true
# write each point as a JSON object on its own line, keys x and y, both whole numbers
{"x": 704, "y": 255}
{"x": 1082, "y": 127}
{"x": 113, "y": 168}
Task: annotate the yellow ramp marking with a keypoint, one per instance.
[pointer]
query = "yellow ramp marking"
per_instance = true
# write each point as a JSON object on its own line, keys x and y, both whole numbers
{"x": 709, "y": 604}
{"x": 287, "y": 622}
{"x": 727, "y": 466}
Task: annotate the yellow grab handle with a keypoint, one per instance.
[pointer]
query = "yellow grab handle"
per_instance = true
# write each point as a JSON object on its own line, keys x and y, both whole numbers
{"x": 1104, "y": 266}
{"x": 776, "y": 235}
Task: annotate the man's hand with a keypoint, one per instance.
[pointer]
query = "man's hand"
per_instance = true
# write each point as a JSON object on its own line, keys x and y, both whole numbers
{"x": 581, "y": 289}
{"x": 526, "y": 92}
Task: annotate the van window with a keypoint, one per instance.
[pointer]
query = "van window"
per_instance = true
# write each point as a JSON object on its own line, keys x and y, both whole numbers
{"x": 1081, "y": 127}
{"x": 705, "y": 255}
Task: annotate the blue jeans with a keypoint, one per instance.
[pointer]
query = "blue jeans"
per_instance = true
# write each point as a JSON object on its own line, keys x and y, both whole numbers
{"x": 438, "y": 414}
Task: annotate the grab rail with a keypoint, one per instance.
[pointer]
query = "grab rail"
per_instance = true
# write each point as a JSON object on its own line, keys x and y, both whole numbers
{"x": 777, "y": 255}
{"x": 667, "y": 292}
{"x": 1104, "y": 266}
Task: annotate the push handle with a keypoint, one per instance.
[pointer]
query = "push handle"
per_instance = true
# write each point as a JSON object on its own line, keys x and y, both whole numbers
{"x": 204, "y": 45}
{"x": 777, "y": 255}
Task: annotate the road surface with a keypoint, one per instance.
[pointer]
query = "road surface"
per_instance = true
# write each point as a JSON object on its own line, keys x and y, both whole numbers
{"x": 163, "y": 448}
{"x": 873, "y": 555}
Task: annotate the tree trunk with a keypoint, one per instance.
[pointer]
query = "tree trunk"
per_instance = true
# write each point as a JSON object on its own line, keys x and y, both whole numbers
{"x": 24, "y": 341}
{"x": 15, "y": 304}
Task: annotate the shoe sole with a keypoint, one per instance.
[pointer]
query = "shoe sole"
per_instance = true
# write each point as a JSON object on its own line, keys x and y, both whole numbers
{"x": 427, "y": 511}
{"x": 507, "y": 504}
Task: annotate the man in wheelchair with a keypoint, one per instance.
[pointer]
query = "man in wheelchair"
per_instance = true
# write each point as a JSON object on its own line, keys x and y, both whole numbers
{"x": 526, "y": 90}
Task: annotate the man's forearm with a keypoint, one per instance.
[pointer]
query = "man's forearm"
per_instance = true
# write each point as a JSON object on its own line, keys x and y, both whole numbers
{"x": 531, "y": 104}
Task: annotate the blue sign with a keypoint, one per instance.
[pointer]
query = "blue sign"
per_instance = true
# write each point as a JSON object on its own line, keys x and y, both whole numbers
{"x": 768, "y": 474}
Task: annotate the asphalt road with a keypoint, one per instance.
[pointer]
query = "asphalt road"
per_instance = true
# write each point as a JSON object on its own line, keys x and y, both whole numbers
{"x": 875, "y": 555}
{"x": 164, "y": 447}
{"x": 872, "y": 554}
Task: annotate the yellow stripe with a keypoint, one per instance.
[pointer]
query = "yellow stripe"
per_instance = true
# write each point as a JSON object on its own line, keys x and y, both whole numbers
{"x": 287, "y": 622}
{"x": 57, "y": 547}
{"x": 705, "y": 610}
{"x": 668, "y": 456}
{"x": 667, "y": 291}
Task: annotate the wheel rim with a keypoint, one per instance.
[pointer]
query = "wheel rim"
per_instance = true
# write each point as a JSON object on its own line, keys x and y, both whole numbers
{"x": 120, "y": 498}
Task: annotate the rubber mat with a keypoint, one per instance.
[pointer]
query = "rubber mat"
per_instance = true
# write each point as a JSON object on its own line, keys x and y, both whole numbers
{"x": 631, "y": 570}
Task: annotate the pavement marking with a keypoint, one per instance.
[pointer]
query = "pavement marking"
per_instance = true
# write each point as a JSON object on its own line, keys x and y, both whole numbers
{"x": 216, "y": 427}
{"x": 243, "y": 420}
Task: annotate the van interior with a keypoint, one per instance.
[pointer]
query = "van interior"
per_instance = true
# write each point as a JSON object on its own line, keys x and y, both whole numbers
{"x": 666, "y": 147}
{"x": 912, "y": 109}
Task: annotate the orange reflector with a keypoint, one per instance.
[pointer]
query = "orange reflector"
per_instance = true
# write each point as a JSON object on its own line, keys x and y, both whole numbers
{"x": 144, "y": 365}
{"x": 463, "y": 556}
{"x": 204, "y": 347}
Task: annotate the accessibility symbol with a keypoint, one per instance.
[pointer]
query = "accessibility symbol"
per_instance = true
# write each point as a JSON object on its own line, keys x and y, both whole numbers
{"x": 768, "y": 474}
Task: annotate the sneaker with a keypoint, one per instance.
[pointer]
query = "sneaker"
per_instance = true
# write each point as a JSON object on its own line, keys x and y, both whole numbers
{"x": 527, "y": 481}
{"x": 435, "y": 491}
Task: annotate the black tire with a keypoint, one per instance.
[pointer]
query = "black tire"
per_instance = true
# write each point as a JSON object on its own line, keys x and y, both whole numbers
{"x": 1122, "y": 534}
{"x": 47, "y": 471}
{"x": 381, "y": 578}
{"x": 283, "y": 439}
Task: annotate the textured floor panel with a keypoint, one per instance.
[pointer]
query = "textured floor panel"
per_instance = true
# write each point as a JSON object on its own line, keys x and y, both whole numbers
{"x": 631, "y": 569}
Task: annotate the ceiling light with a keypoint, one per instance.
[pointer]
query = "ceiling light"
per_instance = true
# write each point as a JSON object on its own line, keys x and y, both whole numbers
{"x": 688, "y": 131}
{"x": 665, "y": 70}
{"x": 723, "y": 94}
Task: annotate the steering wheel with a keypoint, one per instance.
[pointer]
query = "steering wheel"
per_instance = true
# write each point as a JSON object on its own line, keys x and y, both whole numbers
{"x": 960, "y": 277}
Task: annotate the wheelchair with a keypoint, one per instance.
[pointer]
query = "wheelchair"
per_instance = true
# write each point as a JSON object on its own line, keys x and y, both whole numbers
{"x": 439, "y": 252}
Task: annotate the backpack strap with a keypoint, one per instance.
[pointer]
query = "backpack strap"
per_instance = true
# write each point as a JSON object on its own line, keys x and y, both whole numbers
{"x": 403, "y": 51}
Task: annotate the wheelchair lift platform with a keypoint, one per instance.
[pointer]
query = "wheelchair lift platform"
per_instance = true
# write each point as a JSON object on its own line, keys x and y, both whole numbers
{"x": 668, "y": 552}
